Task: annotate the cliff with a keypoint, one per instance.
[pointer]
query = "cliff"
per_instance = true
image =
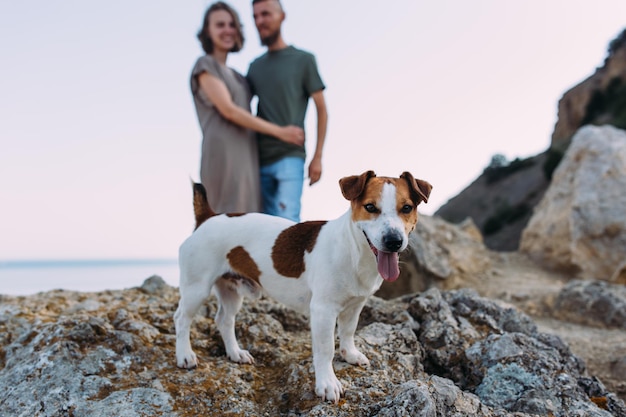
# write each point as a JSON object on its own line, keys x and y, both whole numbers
{"x": 598, "y": 100}
{"x": 501, "y": 200}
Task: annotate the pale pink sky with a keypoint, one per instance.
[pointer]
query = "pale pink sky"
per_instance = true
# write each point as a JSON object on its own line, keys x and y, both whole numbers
{"x": 99, "y": 136}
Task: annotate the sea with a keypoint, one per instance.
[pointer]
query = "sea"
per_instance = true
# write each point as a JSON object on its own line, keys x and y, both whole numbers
{"x": 34, "y": 276}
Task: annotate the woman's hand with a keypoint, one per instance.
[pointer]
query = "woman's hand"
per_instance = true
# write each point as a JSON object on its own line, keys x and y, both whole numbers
{"x": 292, "y": 134}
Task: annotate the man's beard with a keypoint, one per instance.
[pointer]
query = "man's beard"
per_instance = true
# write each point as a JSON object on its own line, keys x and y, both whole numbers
{"x": 271, "y": 38}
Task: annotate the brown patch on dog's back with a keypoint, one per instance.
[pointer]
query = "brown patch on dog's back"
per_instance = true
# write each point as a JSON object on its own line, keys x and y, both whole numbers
{"x": 243, "y": 265}
{"x": 289, "y": 248}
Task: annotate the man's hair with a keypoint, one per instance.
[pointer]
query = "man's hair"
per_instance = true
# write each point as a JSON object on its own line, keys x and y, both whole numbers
{"x": 203, "y": 34}
{"x": 261, "y": 1}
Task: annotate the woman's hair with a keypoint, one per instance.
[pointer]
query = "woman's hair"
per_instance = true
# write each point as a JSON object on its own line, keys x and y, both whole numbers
{"x": 203, "y": 34}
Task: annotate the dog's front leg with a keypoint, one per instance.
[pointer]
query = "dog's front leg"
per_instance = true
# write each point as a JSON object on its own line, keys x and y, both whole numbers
{"x": 347, "y": 323}
{"x": 323, "y": 320}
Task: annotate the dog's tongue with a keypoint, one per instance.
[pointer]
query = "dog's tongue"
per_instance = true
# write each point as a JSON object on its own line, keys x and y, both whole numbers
{"x": 388, "y": 265}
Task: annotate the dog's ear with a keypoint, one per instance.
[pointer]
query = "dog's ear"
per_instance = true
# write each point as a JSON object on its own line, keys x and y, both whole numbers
{"x": 420, "y": 188}
{"x": 353, "y": 186}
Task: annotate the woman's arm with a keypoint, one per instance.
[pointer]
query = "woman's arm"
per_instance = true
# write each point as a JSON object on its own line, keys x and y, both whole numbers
{"x": 218, "y": 94}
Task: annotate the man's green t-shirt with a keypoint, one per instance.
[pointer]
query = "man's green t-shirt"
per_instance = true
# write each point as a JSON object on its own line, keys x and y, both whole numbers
{"x": 283, "y": 81}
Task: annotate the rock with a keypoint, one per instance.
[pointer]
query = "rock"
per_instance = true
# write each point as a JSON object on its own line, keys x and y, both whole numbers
{"x": 619, "y": 276}
{"x": 439, "y": 254}
{"x": 447, "y": 353}
{"x": 154, "y": 285}
{"x": 580, "y": 224}
{"x": 595, "y": 303}
{"x": 500, "y": 201}
{"x": 433, "y": 397}
{"x": 596, "y": 100}
{"x": 498, "y": 354}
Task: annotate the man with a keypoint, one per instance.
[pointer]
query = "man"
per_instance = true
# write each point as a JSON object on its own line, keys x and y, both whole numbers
{"x": 283, "y": 79}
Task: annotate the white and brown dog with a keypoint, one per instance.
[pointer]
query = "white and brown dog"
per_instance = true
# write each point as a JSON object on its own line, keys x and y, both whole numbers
{"x": 326, "y": 269}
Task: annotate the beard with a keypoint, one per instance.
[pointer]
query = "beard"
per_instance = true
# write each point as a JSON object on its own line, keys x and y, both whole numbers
{"x": 271, "y": 38}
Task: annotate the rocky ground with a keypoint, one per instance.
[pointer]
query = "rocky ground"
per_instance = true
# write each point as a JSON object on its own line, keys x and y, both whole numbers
{"x": 590, "y": 315}
{"x": 513, "y": 278}
{"x": 436, "y": 353}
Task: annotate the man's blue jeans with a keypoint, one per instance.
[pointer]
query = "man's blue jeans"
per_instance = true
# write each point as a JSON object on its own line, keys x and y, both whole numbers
{"x": 281, "y": 187}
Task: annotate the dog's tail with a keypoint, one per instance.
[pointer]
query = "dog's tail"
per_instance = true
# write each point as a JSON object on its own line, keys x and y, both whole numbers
{"x": 201, "y": 208}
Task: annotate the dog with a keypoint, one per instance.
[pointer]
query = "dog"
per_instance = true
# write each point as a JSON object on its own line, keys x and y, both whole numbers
{"x": 325, "y": 269}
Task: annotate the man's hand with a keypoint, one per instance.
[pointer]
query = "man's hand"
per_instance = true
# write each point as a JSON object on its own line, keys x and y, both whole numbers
{"x": 315, "y": 170}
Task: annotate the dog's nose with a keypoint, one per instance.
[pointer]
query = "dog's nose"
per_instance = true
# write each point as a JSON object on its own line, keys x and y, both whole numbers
{"x": 392, "y": 242}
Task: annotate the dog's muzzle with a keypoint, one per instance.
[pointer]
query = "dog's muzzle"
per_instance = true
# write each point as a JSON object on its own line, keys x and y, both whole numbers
{"x": 392, "y": 242}
{"x": 388, "y": 259}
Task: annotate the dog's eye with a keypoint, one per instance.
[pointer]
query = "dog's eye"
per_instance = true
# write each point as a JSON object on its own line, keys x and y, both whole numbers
{"x": 370, "y": 208}
{"x": 406, "y": 209}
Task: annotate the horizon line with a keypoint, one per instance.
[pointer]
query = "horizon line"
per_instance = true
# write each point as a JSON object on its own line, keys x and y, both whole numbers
{"x": 82, "y": 262}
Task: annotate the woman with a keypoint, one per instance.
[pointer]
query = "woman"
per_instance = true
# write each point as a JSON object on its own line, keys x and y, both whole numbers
{"x": 229, "y": 167}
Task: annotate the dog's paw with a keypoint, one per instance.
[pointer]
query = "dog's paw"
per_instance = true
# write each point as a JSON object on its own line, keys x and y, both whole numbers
{"x": 329, "y": 389}
{"x": 354, "y": 357}
{"x": 241, "y": 356}
{"x": 188, "y": 361}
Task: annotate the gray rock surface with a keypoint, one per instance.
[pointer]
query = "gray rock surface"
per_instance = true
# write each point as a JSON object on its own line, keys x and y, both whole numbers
{"x": 596, "y": 303}
{"x": 447, "y": 353}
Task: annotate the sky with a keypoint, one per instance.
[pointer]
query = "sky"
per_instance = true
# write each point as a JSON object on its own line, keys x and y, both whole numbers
{"x": 99, "y": 138}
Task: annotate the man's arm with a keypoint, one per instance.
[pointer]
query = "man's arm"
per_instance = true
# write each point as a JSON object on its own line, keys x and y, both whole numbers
{"x": 315, "y": 166}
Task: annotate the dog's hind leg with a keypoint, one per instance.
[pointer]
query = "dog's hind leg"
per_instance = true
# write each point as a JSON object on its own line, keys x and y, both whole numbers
{"x": 230, "y": 298}
{"x": 192, "y": 296}
{"x": 346, "y": 326}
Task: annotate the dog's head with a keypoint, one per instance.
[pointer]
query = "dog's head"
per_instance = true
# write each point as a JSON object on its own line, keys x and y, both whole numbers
{"x": 385, "y": 209}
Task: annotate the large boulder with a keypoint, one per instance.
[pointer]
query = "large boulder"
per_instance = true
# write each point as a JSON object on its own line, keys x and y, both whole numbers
{"x": 580, "y": 224}
{"x": 440, "y": 254}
